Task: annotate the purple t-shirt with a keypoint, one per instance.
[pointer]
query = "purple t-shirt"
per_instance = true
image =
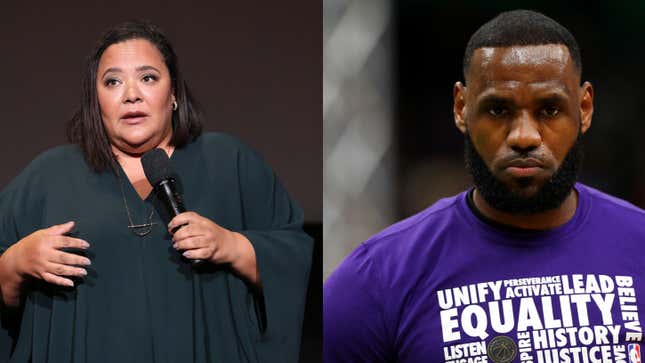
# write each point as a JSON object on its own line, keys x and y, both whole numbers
{"x": 444, "y": 286}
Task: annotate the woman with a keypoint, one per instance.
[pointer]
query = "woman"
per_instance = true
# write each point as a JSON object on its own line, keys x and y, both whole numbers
{"x": 91, "y": 272}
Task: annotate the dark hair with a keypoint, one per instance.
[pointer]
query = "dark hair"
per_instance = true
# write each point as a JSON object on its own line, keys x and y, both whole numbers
{"x": 86, "y": 126}
{"x": 522, "y": 27}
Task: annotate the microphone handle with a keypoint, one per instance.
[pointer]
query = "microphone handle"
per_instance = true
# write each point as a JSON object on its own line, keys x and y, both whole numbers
{"x": 166, "y": 189}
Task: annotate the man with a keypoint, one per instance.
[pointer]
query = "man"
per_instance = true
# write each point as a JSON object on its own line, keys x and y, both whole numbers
{"x": 527, "y": 266}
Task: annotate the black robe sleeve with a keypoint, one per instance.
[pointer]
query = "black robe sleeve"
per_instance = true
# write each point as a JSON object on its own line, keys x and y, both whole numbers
{"x": 15, "y": 218}
{"x": 273, "y": 225}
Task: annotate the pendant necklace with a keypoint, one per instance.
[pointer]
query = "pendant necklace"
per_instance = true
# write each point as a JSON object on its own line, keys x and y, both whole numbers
{"x": 140, "y": 230}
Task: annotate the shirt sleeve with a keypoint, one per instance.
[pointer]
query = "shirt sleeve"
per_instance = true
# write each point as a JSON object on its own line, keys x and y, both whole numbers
{"x": 354, "y": 323}
{"x": 15, "y": 220}
{"x": 273, "y": 225}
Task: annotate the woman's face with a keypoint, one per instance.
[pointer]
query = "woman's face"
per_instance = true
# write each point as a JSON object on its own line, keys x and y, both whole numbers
{"x": 135, "y": 95}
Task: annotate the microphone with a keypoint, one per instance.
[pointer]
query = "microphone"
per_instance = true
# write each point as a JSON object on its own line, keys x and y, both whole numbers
{"x": 162, "y": 177}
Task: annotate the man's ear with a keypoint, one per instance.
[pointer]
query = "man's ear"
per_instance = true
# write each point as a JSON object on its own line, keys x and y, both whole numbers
{"x": 586, "y": 106}
{"x": 459, "y": 106}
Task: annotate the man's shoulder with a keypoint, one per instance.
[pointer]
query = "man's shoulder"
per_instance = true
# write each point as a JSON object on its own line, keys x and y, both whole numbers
{"x": 411, "y": 230}
{"x": 402, "y": 243}
{"x": 364, "y": 295}
{"x": 611, "y": 206}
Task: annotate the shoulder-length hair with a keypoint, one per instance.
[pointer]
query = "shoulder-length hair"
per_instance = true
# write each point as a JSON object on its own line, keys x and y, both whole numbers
{"x": 86, "y": 128}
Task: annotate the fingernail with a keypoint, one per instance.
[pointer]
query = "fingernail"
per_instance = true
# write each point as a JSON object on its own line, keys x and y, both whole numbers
{"x": 174, "y": 245}
{"x": 88, "y": 262}
{"x": 84, "y": 272}
{"x": 69, "y": 283}
{"x": 186, "y": 254}
{"x": 85, "y": 244}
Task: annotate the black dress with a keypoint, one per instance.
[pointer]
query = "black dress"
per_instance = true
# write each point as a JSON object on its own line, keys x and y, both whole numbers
{"x": 141, "y": 302}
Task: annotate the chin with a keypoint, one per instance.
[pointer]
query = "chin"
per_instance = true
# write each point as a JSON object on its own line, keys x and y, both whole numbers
{"x": 525, "y": 192}
{"x": 137, "y": 138}
{"x": 524, "y": 187}
{"x": 135, "y": 145}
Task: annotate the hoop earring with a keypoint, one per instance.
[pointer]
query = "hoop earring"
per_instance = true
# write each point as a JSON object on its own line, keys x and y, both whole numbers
{"x": 174, "y": 105}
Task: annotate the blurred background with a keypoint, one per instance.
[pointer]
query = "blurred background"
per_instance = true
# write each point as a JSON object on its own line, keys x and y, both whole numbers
{"x": 254, "y": 66}
{"x": 390, "y": 145}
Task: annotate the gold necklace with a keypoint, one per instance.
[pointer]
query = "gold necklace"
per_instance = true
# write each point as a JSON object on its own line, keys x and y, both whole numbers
{"x": 140, "y": 230}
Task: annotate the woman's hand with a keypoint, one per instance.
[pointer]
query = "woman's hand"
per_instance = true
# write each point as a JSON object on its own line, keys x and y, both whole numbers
{"x": 201, "y": 238}
{"x": 39, "y": 255}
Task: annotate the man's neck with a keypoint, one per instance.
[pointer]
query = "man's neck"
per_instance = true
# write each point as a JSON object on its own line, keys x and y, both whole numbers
{"x": 539, "y": 221}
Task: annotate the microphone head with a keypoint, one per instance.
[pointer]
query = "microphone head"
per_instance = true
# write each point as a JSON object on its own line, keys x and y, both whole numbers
{"x": 156, "y": 166}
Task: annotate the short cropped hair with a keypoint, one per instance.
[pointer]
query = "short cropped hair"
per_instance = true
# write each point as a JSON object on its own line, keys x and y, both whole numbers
{"x": 86, "y": 128}
{"x": 519, "y": 28}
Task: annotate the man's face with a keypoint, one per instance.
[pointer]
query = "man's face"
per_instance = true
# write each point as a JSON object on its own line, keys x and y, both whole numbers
{"x": 522, "y": 111}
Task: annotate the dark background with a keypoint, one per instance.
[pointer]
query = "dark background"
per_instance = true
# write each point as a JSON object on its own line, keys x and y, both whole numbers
{"x": 255, "y": 67}
{"x": 430, "y": 39}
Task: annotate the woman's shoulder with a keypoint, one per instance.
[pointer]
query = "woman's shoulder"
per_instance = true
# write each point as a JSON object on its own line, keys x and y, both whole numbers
{"x": 55, "y": 157}
{"x": 224, "y": 148}
{"x": 219, "y": 143}
{"x": 46, "y": 167}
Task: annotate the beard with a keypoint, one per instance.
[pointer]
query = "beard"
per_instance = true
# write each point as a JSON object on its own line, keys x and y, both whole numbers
{"x": 549, "y": 196}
